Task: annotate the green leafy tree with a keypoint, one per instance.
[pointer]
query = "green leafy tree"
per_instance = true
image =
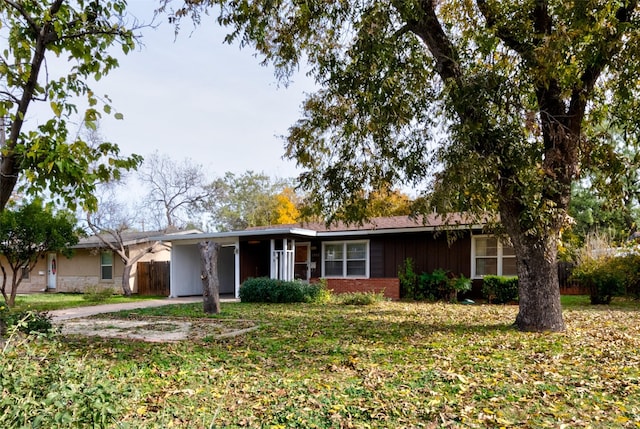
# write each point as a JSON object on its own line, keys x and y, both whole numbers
{"x": 248, "y": 199}
{"x": 593, "y": 213}
{"x": 27, "y": 234}
{"x": 81, "y": 33}
{"x": 491, "y": 98}
{"x": 617, "y": 185}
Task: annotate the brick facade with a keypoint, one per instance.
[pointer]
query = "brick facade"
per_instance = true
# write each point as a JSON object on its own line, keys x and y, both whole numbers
{"x": 389, "y": 286}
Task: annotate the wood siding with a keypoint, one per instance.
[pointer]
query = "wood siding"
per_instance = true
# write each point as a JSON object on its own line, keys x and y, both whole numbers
{"x": 255, "y": 259}
{"x": 428, "y": 251}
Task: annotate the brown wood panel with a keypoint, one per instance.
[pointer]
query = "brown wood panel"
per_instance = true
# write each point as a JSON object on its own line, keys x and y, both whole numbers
{"x": 153, "y": 278}
{"x": 255, "y": 259}
{"x": 429, "y": 252}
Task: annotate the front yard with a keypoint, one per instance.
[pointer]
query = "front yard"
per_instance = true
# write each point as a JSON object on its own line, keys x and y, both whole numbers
{"x": 329, "y": 366}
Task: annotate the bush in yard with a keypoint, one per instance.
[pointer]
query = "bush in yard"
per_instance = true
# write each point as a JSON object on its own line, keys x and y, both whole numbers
{"x": 441, "y": 285}
{"x": 4, "y": 315}
{"x": 97, "y": 293}
{"x": 32, "y": 322}
{"x": 605, "y": 277}
{"x": 27, "y": 322}
{"x": 408, "y": 279}
{"x": 56, "y": 390}
{"x": 264, "y": 289}
{"x": 630, "y": 265}
{"x": 500, "y": 289}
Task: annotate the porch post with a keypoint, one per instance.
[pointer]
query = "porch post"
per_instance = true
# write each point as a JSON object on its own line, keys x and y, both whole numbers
{"x": 284, "y": 264}
{"x": 274, "y": 261}
{"x": 291, "y": 258}
{"x": 236, "y": 254}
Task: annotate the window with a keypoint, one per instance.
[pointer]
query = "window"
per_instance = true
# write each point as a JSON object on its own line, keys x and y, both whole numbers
{"x": 25, "y": 272}
{"x": 345, "y": 259}
{"x": 106, "y": 266}
{"x": 491, "y": 257}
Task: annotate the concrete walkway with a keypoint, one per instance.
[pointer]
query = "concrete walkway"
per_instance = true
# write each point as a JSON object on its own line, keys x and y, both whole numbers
{"x": 80, "y": 312}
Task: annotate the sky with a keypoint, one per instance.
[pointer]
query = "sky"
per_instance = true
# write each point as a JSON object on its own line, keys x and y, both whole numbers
{"x": 196, "y": 97}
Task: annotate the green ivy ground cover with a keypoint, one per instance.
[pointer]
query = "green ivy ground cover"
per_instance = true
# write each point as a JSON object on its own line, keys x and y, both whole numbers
{"x": 406, "y": 365}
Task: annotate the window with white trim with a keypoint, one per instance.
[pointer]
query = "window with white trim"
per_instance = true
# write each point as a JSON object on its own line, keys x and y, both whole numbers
{"x": 345, "y": 259}
{"x": 106, "y": 266}
{"x": 489, "y": 256}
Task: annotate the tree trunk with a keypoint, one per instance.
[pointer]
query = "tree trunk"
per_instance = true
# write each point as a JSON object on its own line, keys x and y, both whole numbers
{"x": 126, "y": 275}
{"x": 538, "y": 286}
{"x": 210, "y": 280}
{"x": 539, "y": 289}
{"x": 15, "y": 283}
{"x": 4, "y": 286}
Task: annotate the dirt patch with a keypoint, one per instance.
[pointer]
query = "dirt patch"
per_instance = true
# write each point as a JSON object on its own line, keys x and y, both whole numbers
{"x": 158, "y": 329}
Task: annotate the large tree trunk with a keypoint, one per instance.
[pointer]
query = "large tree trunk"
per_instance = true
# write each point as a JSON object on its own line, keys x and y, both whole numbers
{"x": 210, "y": 280}
{"x": 538, "y": 286}
{"x": 126, "y": 275}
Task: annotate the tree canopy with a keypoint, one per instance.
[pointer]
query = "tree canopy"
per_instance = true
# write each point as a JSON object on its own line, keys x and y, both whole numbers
{"x": 485, "y": 105}
{"x": 77, "y": 35}
{"x": 28, "y": 233}
{"x": 176, "y": 190}
{"x": 250, "y": 199}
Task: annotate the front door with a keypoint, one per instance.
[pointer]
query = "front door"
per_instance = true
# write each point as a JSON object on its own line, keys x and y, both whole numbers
{"x": 52, "y": 270}
{"x": 302, "y": 262}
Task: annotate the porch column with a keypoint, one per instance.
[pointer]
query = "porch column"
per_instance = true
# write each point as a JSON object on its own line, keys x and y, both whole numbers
{"x": 236, "y": 254}
{"x": 273, "y": 272}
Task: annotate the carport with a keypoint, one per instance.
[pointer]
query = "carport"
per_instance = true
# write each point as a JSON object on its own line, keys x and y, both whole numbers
{"x": 186, "y": 265}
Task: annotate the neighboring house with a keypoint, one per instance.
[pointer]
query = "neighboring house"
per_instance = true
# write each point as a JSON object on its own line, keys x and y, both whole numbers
{"x": 95, "y": 264}
{"x": 92, "y": 264}
{"x": 32, "y": 281}
{"x": 351, "y": 257}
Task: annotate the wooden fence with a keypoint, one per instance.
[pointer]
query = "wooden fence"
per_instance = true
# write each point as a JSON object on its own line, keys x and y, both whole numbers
{"x": 153, "y": 278}
{"x": 568, "y": 286}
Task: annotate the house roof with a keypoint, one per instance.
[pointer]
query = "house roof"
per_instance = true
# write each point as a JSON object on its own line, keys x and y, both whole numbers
{"x": 380, "y": 225}
{"x": 384, "y": 223}
{"x": 129, "y": 238}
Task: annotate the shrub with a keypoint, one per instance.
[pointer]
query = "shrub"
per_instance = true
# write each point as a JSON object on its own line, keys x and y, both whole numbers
{"x": 4, "y": 316}
{"x": 500, "y": 289}
{"x": 97, "y": 293}
{"x": 322, "y": 294}
{"x": 408, "y": 279}
{"x": 605, "y": 277}
{"x": 264, "y": 289}
{"x": 32, "y": 322}
{"x": 359, "y": 298}
{"x": 56, "y": 391}
{"x": 27, "y": 322}
{"x": 630, "y": 266}
{"x": 441, "y": 285}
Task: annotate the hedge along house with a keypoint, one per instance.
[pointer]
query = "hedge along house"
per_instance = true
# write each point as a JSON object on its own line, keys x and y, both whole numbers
{"x": 350, "y": 257}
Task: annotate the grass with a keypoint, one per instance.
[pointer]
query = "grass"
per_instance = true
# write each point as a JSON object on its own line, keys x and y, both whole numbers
{"x": 395, "y": 364}
{"x": 59, "y": 301}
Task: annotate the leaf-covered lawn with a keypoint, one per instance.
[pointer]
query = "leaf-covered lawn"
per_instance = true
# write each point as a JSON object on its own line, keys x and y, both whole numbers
{"x": 391, "y": 365}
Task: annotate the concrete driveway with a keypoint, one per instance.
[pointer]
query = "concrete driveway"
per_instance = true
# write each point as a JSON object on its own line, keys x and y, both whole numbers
{"x": 80, "y": 312}
{"x": 76, "y": 321}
